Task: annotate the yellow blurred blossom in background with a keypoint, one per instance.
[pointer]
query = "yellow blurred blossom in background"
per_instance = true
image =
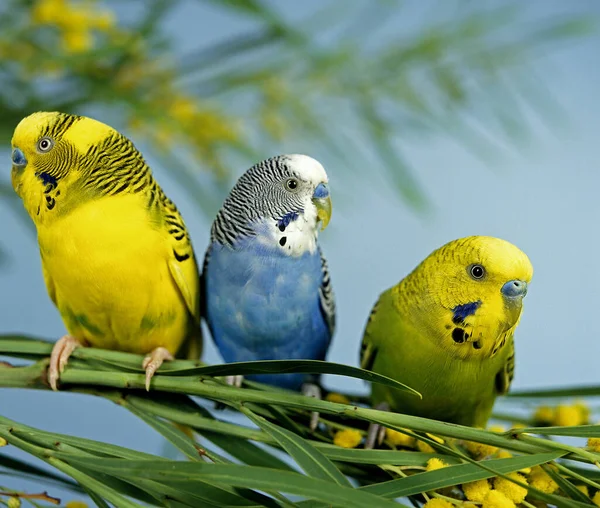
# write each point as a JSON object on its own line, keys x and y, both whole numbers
{"x": 337, "y": 397}
{"x": 396, "y": 438}
{"x": 75, "y": 22}
{"x": 347, "y": 438}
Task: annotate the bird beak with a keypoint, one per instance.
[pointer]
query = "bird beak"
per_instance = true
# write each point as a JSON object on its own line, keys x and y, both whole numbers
{"x": 18, "y": 158}
{"x": 322, "y": 202}
{"x": 18, "y": 164}
{"x": 514, "y": 290}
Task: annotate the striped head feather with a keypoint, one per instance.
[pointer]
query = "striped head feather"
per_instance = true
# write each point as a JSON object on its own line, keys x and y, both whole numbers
{"x": 281, "y": 202}
{"x": 60, "y": 160}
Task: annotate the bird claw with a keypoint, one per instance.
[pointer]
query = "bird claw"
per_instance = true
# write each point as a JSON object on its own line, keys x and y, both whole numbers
{"x": 234, "y": 380}
{"x": 153, "y": 361}
{"x": 59, "y": 358}
{"x": 376, "y": 432}
{"x": 312, "y": 390}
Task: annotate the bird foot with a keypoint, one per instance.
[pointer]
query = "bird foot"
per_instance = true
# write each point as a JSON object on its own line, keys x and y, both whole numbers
{"x": 153, "y": 361}
{"x": 376, "y": 432}
{"x": 234, "y": 380}
{"x": 59, "y": 358}
{"x": 312, "y": 390}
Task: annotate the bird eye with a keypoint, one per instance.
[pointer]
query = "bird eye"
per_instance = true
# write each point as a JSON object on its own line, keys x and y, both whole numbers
{"x": 291, "y": 184}
{"x": 477, "y": 271}
{"x": 45, "y": 145}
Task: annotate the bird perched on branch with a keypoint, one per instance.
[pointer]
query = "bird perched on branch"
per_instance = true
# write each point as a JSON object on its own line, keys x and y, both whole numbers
{"x": 266, "y": 285}
{"x": 116, "y": 256}
{"x": 447, "y": 329}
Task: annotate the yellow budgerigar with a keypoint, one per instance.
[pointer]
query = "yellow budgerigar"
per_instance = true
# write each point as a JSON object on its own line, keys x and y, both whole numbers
{"x": 116, "y": 256}
{"x": 447, "y": 331}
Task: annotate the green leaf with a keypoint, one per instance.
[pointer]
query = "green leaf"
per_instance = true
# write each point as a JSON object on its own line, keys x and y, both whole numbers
{"x": 397, "y": 458}
{"x": 175, "y": 436}
{"x": 575, "y": 391}
{"x": 567, "y": 487}
{"x": 456, "y": 475}
{"x": 584, "y": 431}
{"x": 12, "y": 466}
{"x": 312, "y": 461}
{"x": 182, "y": 442}
{"x": 286, "y": 367}
{"x": 259, "y": 478}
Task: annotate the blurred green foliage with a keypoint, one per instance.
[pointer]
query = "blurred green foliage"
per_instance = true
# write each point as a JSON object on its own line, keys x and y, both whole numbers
{"x": 342, "y": 80}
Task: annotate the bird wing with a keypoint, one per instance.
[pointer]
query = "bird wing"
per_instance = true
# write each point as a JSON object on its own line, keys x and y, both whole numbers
{"x": 505, "y": 375}
{"x": 368, "y": 348}
{"x": 184, "y": 270}
{"x": 326, "y": 296}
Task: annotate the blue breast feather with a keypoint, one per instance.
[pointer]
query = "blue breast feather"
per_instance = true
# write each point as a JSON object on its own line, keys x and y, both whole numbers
{"x": 262, "y": 304}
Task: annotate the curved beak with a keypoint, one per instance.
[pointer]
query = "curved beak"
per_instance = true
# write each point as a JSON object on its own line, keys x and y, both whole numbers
{"x": 514, "y": 290}
{"x": 18, "y": 158}
{"x": 322, "y": 202}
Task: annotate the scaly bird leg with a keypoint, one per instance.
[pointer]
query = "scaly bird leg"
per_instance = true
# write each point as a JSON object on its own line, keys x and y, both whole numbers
{"x": 59, "y": 358}
{"x": 312, "y": 390}
{"x": 153, "y": 361}
{"x": 376, "y": 432}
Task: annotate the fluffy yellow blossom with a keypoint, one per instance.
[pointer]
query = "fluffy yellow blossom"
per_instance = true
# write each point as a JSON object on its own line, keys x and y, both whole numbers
{"x": 476, "y": 491}
{"x": 479, "y": 450}
{"x": 75, "y": 19}
{"x": 396, "y": 438}
{"x": 544, "y": 415}
{"x": 47, "y": 11}
{"x": 594, "y": 444}
{"x": 511, "y": 490}
{"x": 584, "y": 411}
{"x": 104, "y": 20}
{"x": 436, "y": 502}
{"x": 435, "y": 463}
{"x": 496, "y": 428}
{"x": 76, "y": 504}
{"x": 3, "y": 442}
{"x": 77, "y": 41}
{"x": 539, "y": 479}
{"x": 424, "y": 447}
{"x": 183, "y": 109}
{"x": 13, "y": 502}
{"x": 347, "y": 438}
{"x": 496, "y": 499}
{"x": 596, "y": 498}
{"x": 337, "y": 397}
{"x": 569, "y": 415}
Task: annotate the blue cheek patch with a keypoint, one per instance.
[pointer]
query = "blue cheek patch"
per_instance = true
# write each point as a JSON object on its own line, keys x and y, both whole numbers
{"x": 286, "y": 219}
{"x": 461, "y": 312}
{"x": 47, "y": 179}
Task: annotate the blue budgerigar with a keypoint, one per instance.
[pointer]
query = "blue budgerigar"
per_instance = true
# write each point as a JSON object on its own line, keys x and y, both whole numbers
{"x": 266, "y": 283}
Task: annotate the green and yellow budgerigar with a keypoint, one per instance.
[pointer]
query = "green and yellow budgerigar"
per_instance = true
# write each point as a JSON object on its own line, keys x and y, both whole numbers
{"x": 447, "y": 331}
{"x": 116, "y": 256}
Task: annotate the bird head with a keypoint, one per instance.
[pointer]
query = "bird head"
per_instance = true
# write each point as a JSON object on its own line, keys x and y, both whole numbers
{"x": 50, "y": 151}
{"x": 285, "y": 200}
{"x": 472, "y": 290}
